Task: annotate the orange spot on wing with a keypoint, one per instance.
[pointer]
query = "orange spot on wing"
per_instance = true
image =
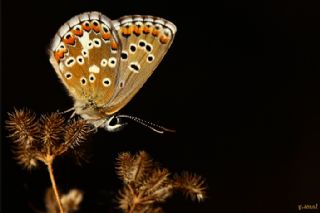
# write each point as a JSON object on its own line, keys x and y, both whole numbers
{"x": 146, "y": 29}
{"x": 137, "y": 30}
{"x": 96, "y": 28}
{"x": 126, "y": 31}
{"x": 155, "y": 32}
{"x": 164, "y": 39}
{"x": 114, "y": 45}
{"x": 58, "y": 55}
{"x": 78, "y": 32}
{"x": 106, "y": 36}
{"x": 86, "y": 28}
{"x": 70, "y": 40}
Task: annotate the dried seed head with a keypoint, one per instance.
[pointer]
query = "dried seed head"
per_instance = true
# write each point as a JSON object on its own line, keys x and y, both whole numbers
{"x": 191, "y": 185}
{"x": 76, "y": 132}
{"x": 23, "y": 127}
{"x": 52, "y": 126}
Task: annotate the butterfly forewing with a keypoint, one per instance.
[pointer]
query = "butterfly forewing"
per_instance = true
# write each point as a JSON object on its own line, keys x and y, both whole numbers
{"x": 145, "y": 40}
{"x": 85, "y": 54}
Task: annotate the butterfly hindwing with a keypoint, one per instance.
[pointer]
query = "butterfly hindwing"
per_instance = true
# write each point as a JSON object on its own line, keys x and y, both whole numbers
{"x": 145, "y": 40}
{"x": 85, "y": 53}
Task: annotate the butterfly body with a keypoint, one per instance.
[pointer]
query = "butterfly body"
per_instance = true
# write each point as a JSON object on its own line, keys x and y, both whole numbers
{"x": 104, "y": 63}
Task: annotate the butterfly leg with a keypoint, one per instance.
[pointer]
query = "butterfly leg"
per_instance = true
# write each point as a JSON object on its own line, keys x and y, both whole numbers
{"x": 68, "y": 110}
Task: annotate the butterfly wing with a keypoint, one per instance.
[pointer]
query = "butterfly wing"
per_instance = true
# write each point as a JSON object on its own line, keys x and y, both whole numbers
{"x": 145, "y": 40}
{"x": 84, "y": 54}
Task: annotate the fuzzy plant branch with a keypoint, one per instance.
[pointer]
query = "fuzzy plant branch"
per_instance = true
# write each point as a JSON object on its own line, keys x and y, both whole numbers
{"x": 146, "y": 185}
{"x": 44, "y": 139}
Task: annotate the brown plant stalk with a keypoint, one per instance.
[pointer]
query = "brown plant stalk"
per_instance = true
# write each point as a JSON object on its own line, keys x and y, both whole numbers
{"x": 44, "y": 139}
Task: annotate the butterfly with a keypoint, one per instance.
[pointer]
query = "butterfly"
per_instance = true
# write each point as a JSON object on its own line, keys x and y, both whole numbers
{"x": 103, "y": 63}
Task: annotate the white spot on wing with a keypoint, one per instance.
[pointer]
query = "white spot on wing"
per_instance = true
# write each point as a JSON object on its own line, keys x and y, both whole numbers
{"x": 83, "y": 81}
{"x": 68, "y": 75}
{"x": 70, "y": 62}
{"x": 150, "y": 58}
{"x": 134, "y": 67}
{"x": 132, "y": 48}
{"x": 97, "y": 42}
{"x": 80, "y": 60}
{"x": 94, "y": 68}
{"x": 92, "y": 78}
{"x": 104, "y": 62}
{"x": 84, "y": 40}
{"x": 112, "y": 62}
{"x": 85, "y": 53}
{"x": 90, "y": 45}
{"x": 106, "y": 82}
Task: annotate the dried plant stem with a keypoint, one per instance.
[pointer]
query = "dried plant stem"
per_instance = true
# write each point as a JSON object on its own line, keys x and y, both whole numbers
{"x": 136, "y": 200}
{"x": 54, "y": 185}
{"x": 132, "y": 207}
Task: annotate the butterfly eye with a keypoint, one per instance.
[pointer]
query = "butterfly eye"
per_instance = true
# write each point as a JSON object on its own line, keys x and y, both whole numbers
{"x": 68, "y": 75}
{"x": 112, "y": 62}
{"x": 92, "y": 78}
{"x": 83, "y": 81}
{"x": 150, "y": 58}
{"x": 80, "y": 59}
{"x": 97, "y": 42}
{"x": 106, "y": 82}
{"x": 104, "y": 62}
{"x": 133, "y": 48}
{"x": 124, "y": 55}
{"x": 70, "y": 62}
{"x": 84, "y": 53}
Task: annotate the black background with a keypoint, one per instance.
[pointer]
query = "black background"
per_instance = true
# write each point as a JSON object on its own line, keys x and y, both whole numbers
{"x": 240, "y": 84}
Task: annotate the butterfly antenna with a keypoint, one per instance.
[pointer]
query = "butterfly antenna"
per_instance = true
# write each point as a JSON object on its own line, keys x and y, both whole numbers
{"x": 155, "y": 127}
